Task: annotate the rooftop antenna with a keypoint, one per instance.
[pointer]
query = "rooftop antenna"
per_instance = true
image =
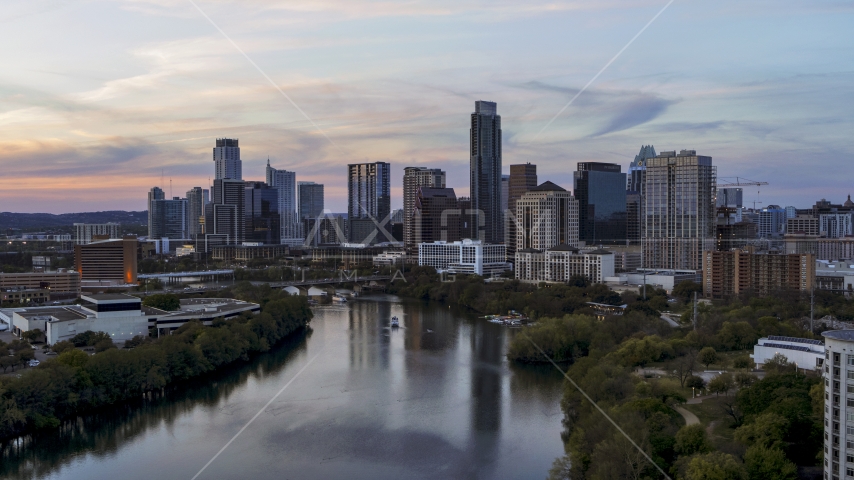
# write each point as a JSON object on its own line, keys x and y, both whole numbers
{"x": 170, "y": 188}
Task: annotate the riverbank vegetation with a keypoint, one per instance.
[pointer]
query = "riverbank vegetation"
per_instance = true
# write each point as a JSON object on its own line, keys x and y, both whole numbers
{"x": 75, "y": 382}
{"x": 751, "y": 429}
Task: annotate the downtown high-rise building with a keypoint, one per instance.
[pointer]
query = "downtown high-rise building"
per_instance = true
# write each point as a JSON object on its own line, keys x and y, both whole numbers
{"x": 226, "y": 157}
{"x": 601, "y": 194}
{"x": 195, "y": 212}
{"x": 262, "y": 214}
{"x": 678, "y": 210}
{"x": 309, "y": 199}
{"x": 634, "y": 194}
{"x": 225, "y": 216}
{"x": 168, "y": 219}
{"x": 368, "y": 202}
{"x": 523, "y": 177}
{"x": 485, "y": 170}
{"x": 413, "y": 179}
{"x": 156, "y": 193}
{"x": 284, "y": 182}
{"x": 435, "y": 216}
{"x": 547, "y": 217}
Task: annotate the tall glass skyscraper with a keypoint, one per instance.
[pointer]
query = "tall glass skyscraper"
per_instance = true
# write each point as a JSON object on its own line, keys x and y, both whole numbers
{"x": 195, "y": 211}
{"x": 262, "y": 214}
{"x": 169, "y": 219}
{"x": 368, "y": 201}
{"x": 285, "y": 184}
{"x": 678, "y": 210}
{"x": 156, "y": 193}
{"x": 310, "y": 199}
{"x": 600, "y": 189}
{"x": 485, "y": 168}
{"x": 226, "y": 157}
{"x": 413, "y": 179}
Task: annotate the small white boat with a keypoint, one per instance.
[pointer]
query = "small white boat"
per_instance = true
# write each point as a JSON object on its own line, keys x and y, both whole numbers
{"x": 339, "y": 298}
{"x": 395, "y": 322}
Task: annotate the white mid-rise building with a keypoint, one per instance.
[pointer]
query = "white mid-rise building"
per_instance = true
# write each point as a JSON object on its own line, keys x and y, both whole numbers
{"x": 466, "y": 257}
{"x": 561, "y": 263}
{"x": 838, "y": 404}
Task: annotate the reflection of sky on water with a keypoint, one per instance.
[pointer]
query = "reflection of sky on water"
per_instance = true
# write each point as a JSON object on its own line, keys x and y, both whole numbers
{"x": 435, "y": 398}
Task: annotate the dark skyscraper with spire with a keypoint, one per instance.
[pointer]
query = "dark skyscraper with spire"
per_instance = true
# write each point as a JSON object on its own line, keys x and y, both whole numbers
{"x": 485, "y": 168}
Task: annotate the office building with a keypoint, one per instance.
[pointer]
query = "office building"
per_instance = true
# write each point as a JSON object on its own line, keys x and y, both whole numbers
{"x": 247, "y": 252}
{"x": 637, "y": 169}
{"x": 156, "y": 193}
{"x": 309, "y": 199}
{"x": 561, "y": 263}
{"x": 802, "y": 225}
{"x": 832, "y": 249}
{"x": 226, "y": 157}
{"x": 838, "y": 397}
{"x": 413, "y": 179}
{"x": 547, "y": 216}
{"x": 225, "y": 216}
{"x": 85, "y": 232}
{"x": 835, "y": 225}
{"x": 169, "y": 219}
{"x": 734, "y": 235}
{"x": 485, "y": 169}
{"x": 195, "y": 212}
{"x": 772, "y": 222}
{"x": 369, "y": 202}
{"x": 505, "y": 193}
{"x": 284, "y": 182}
{"x": 731, "y": 273}
{"x": 601, "y": 194}
{"x": 633, "y": 218}
{"x": 107, "y": 262}
{"x": 61, "y": 283}
{"x": 326, "y": 229}
{"x": 468, "y": 227}
{"x": 121, "y": 316}
{"x": 262, "y": 214}
{"x": 678, "y": 214}
{"x": 435, "y": 216}
{"x": 729, "y": 197}
{"x": 466, "y": 257}
{"x": 523, "y": 177}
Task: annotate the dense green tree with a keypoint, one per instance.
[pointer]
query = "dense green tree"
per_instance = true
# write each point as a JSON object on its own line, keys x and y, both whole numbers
{"x": 708, "y": 356}
{"x": 714, "y": 466}
{"x": 736, "y": 335}
{"x": 685, "y": 290}
{"x": 692, "y": 439}
{"x": 767, "y": 430}
{"x": 60, "y": 347}
{"x": 163, "y": 301}
{"x": 33, "y": 335}
{"x": 722, "y": 384}
{"x": 763, "y": 463}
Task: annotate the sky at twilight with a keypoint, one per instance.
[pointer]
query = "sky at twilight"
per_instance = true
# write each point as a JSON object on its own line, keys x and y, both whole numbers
{"x": 101, "y": 100}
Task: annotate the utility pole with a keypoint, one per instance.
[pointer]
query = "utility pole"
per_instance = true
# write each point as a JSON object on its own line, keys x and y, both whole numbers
{"x": 695, "y": 311}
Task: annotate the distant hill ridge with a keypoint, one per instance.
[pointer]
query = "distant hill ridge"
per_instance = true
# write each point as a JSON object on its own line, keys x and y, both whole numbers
{"x": 45, "y": 220}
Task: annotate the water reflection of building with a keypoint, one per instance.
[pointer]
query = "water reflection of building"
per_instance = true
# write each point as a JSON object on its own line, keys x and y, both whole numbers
{"x": 368, "y": 338}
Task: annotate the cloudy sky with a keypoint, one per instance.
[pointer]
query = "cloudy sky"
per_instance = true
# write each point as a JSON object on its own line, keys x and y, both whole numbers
{"x": 100, "y": 98}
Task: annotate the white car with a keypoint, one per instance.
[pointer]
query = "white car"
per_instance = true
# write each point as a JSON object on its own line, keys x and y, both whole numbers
{"x": 33, "y": 363}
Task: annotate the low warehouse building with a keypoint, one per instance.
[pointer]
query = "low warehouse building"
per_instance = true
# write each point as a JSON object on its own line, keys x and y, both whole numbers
{"x": 805, "y": 353}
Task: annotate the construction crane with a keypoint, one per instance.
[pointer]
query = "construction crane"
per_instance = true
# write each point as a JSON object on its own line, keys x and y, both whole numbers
{"x": 743, "y": 182}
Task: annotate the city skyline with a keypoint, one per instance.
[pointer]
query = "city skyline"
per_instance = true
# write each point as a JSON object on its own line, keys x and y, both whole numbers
{"x": 88, "y": 119}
